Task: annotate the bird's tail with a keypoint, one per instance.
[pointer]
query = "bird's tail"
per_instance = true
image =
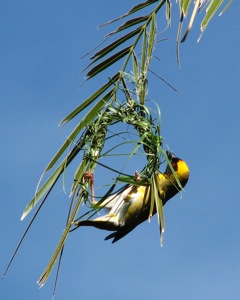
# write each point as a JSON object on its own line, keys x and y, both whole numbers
{"x": 100, "y": 223}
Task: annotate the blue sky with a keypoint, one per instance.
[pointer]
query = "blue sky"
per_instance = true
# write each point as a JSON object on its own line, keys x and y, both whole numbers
{"x": 41, "y": 46}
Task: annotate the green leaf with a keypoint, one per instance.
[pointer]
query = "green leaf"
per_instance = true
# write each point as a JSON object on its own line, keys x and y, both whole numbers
{"x": 132, "y": 180}
{"x": 173, "y": 171}
{"x": 108, "y": 62}
{"x": 135, "y": 66}
{"x": 140, "y": 6}
{"x": 210, "y": 12}
{"x": 90, "y": 99}
{"x": 144, "y": 50}
{"x": 55, "y": 175}
{"x": 196, "y": 6}
{"x": 131, "y": 11}
{"x": 115, "y": 44}
{"x": 168, "y": 12}
{"x": 47, "y": 185}
{"x": 151, "y": 40}
{"x": 43, "y": 278}
{"x": 179, "y": 38}
{"x": 129, "y": 23}
{"x": 78, "y": 175}
{"x": 184, "y": 6}
{"x": 85, "y": 121}
{"x": 159, "y": 206}
{"x": 149, "y": 193}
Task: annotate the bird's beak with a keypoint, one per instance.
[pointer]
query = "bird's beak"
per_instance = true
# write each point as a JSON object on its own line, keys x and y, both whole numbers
{"x": 170, "y": 155}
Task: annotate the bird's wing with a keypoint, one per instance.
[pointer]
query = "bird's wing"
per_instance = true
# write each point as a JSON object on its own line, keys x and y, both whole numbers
{"x": 115, "y": 200}
{"x": 117, "y": 235}
{"x": 122, "y": 231}
{"x": 142, "y": 216}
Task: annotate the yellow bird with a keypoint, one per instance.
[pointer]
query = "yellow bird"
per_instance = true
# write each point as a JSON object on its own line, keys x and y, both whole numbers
{"x": 131, "y": 207}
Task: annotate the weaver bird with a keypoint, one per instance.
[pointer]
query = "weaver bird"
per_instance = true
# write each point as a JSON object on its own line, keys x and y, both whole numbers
{"x": 131, "y": 207}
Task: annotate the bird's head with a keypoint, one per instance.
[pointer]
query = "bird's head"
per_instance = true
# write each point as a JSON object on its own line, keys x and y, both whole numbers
{"x": 180, "y": 167}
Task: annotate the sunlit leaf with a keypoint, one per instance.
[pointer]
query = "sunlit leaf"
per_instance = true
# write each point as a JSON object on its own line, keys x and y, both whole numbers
{"x": 168, "y": 12}
{"x": 135, "y": 66}
{"x": 210, "y": 12}
{"x": 159, "y": 206}
{"x": 144, "y": 51}
{"x": 47, "y": 185}
{"x": 149, "y": 193}
{"x": 184, "y": 7}
{"x": 179, "y": 38}
{"x": 151, "y": 39}
{"x": 196, "y": 5}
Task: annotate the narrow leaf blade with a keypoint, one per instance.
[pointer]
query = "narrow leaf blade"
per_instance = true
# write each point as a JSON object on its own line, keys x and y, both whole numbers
{"x": 131, "y": 11}
{"x": 115, "y": 44}
{"x": 108, "y": 62}
{"x": 90, "y": 99}
{"x": 129, "y": 23}
{"x": 210, "y": 12}
{"x": 184, "y": 6}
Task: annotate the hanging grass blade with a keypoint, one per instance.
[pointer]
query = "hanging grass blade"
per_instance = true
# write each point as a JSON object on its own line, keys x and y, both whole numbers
{"x": 78, "y": 176}
{"x": 173, "y": 171}
{"x": 168, "y": 13}
{"x": 23, "y": 236}
{"x": 210, "y": 12}
{"x": 43, "y": 278}
{"x": 196, "y": 5}
{"x": 126, "y": 90}
{"x": 159, "y": 205}
{"x": 47, "y": 185}
{"x": 152, "y": 204}
{"x": 179, "y": 38}
{"x": 184, "y": 7}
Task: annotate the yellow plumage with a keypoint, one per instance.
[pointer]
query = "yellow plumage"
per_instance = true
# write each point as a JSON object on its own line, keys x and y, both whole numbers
{"x": 132, "y": 206}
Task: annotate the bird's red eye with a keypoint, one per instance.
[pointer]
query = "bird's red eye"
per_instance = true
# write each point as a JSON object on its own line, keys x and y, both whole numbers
{"x": 175, "y": 164}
